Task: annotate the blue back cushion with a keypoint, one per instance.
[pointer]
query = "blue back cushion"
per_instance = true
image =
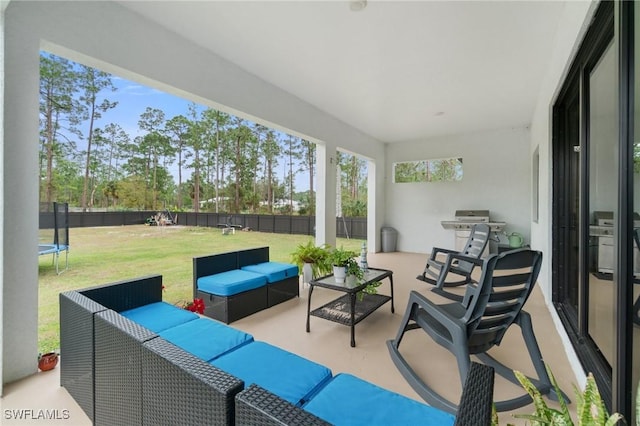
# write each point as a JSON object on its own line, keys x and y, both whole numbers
{"x": 231, "y": 282}
{"x": 347, "y": 399}
{"x": 274, "y": 271}
{"x": 205, "y": 338}
{"x": 287, "y": 375}
{"x": 159, "y": 316}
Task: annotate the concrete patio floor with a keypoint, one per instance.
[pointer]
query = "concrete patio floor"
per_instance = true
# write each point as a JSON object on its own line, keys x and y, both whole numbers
{"x": 328, "y": 344}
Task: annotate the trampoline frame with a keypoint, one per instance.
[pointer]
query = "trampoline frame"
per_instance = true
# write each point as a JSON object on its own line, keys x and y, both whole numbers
{"x": 60, "y": 237}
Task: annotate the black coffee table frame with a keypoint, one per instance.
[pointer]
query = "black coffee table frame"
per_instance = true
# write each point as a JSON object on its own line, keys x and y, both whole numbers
{"x": 350, "y": 309}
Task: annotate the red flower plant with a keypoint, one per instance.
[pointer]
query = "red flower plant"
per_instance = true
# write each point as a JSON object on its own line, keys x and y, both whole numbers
{"x": 196, "y": 306}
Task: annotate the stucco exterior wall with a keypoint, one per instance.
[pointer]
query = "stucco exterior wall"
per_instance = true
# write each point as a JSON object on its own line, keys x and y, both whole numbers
{"x": 496, "y": 177}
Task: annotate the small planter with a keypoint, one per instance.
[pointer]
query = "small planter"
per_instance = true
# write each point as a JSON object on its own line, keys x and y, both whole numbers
{"x": 351, "y": 280}
{"x": 47, "y": 361}
{"x": 307, "y": 272}
{"x": 311, "y": 260}
{"x": 339, "y": 273}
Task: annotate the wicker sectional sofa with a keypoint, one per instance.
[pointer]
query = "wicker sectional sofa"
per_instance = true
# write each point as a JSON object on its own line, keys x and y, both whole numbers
{"x": 237, "y": 284}
{"x": 130, "y": 358}
{"x": 121, "y": 372}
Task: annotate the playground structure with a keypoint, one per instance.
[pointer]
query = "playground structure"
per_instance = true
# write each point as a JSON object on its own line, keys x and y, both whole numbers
{"x": 54, "y": 227}
{"x": 162, "y": 219}
{"x": 228, "y": 227}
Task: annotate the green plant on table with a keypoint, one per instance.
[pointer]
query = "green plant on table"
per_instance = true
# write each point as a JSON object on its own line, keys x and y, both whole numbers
{"x": 371, "y": 288}
{"x": 591, "y": 410}
{"x": 339, "y": 257}
{"x": 353, "y": 268}
{"x": 347, "y": 259}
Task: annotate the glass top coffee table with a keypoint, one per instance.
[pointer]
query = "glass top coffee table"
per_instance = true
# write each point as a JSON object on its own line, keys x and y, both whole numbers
{"x": 350, "y": 308}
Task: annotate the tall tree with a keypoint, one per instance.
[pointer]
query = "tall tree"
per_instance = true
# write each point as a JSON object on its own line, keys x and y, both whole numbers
{"x": 309, "y": 162}
{"x": 232, "y": 159}
{"x": 215, "y": 124}
{"x": 116, "y": 141}
{"x": 222, "y": 119}
{"x": 196, "y": 144}
{"x": 110, "y": 145}
{"x": 67, "y": 180}
{"x": 270, "y": 151}
{"x": 244, "y": 162}
{"x": 292, "y": 152}
{"x": 178, "y": 127}
{"x": 91, "y": 83}
{"x": 260, "y": 132}
{"x": 56, "y": 106}
{"x": 351, "y": 178}
{"x": 157, "y": 145}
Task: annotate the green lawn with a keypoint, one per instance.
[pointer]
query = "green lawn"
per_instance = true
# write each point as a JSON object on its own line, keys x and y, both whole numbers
{"x": 107, "y": 254}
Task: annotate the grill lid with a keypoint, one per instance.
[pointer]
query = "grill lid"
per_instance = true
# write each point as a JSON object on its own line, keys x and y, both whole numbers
{"x": 472, "y": 215}
{"x": 461, "y": 225}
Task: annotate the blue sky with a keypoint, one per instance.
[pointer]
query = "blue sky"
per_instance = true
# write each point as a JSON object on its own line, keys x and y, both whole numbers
{"x": 134, "y": 98}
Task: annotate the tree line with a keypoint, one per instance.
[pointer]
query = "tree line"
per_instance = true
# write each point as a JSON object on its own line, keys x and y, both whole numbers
{"x": 222, "y": 163}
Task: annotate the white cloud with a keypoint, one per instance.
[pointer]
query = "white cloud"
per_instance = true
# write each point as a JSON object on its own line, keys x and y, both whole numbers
{"x": 138, "y": 90}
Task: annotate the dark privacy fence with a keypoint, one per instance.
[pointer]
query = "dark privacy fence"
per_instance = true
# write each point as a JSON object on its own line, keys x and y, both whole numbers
{"x": 305, "y": 225}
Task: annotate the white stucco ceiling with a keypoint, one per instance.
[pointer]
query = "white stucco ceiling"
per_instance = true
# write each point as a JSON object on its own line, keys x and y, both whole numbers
{"x": 396, "y": 70}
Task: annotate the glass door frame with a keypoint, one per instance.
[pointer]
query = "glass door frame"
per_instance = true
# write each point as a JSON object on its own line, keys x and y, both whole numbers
{"x": 622, "y": 386}
{"x": 596, "y": 41}
{"x": 615, "y": 382}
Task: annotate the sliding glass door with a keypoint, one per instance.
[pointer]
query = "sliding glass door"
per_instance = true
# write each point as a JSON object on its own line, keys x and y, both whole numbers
{"x": 585, "y": 200}
{"x": 602, "y": 197}
{"x": 596, "y": 203}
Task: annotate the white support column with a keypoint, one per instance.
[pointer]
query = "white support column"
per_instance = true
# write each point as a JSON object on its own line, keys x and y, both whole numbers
{"x": 373, "y": 212}
{"x": 3, "y": 5}
{"x": 326, "y": 195}
{"x": 19, "y": 321}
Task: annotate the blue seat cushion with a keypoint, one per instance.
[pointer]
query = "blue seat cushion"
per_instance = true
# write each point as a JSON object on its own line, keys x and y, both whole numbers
{"x": 287, "y": 375}
{"x": 159, "y": 316}
{"x": 274, "y": 271}
{"x": 231, "y": 282}
{"x": 205, "y": 338}
{"x": 346, "y": 399}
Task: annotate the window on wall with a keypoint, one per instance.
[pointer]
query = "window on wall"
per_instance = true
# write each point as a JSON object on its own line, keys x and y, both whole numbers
{"x": 437, "y": 170}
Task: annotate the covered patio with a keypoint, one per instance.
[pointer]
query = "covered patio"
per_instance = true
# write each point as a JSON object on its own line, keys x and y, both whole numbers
{"x": 394, "y": 82}
{"x": 328, "y": 344}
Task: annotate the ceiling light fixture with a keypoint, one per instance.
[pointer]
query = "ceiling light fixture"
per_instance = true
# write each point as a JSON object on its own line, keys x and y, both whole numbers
{"x": 357, "y": 5}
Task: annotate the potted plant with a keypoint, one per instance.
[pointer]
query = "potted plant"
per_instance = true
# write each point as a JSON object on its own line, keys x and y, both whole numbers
{"x": 591, "y": 410}
{"x": 344, "y": 264}
{"x": 47, "y": 361}
{"x": 311, "y": 260}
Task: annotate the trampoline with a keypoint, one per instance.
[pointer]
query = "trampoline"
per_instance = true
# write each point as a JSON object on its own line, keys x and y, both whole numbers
{"x": 54, "y": 227}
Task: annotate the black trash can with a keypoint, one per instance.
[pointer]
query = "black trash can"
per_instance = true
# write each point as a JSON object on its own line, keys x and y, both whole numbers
{"x": 389, "y": 239}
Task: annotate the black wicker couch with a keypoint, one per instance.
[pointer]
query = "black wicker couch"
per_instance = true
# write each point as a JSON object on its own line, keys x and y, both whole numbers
{"x": 120, "y": 372}
{"x": 232, "y": 307}
{"x": 256, "y": 406}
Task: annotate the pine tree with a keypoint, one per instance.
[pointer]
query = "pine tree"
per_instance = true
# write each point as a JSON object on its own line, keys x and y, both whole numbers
{"x": 91, "y": 83}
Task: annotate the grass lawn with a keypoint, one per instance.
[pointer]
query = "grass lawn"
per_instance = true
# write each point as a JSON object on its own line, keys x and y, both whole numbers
{"x": 107, "y": 254}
